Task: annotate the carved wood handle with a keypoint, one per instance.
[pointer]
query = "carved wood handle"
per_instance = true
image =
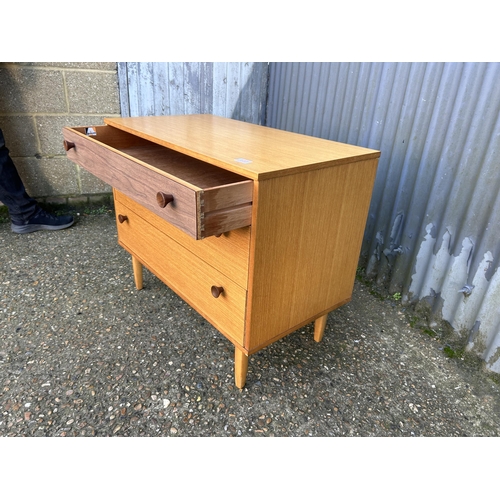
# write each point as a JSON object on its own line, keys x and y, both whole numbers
{"x": 68, "y": 145}
{"x": 164, "y": 199}
{"x": 217, "y": 290}
{"x": 122, "y": 218}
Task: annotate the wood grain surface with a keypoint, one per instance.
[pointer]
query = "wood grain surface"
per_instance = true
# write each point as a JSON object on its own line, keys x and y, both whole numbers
{"x": 228, "y": 253}
{"x": 186, "y": 274}
{"x": 253, "y": 151}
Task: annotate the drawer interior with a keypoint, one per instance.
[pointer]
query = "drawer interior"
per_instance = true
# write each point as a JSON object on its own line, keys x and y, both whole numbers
{"x": 198, "y": 173}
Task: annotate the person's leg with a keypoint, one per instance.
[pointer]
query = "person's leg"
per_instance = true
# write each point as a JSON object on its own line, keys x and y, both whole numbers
{"x": 12, "y": 192}
{"x": 25, "y": 213}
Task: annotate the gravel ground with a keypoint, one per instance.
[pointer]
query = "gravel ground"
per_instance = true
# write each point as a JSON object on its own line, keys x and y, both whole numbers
{"x": 82, "y": 353}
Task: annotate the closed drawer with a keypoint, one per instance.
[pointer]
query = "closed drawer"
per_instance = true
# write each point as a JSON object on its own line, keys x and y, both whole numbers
{"x": 185, "y": 273}
{"x": 228, "y": 253}
{"x": 199, "y": 198}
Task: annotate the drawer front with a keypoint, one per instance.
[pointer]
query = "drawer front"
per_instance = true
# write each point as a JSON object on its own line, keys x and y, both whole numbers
{"x": 186, "y": 274}
{"x": 196, "y": 197}
{"x": 228, "y": 253}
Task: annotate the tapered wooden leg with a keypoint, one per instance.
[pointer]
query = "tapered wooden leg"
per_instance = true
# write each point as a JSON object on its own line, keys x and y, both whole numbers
{"x": 319, "y": 327}
{"x": 137, "y": 267}
{"x": 240, "y": 368}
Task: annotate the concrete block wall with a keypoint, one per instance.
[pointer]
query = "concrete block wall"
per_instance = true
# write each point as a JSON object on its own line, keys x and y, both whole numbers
{"x": 36, "y": 101}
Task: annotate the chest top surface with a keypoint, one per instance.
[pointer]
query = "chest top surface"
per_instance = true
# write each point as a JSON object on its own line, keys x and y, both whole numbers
{"x": 254, "y": 151}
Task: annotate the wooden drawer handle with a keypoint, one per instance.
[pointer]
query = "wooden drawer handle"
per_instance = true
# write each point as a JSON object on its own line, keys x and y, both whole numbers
{"x": 217, "y": 290}
{"x": 122, "y": 218}
{"x": 164, "y": 199}
{"x": 68, "y": 145}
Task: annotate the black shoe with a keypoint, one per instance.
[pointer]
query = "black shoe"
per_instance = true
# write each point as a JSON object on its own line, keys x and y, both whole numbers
{"x": 43, "y": 221}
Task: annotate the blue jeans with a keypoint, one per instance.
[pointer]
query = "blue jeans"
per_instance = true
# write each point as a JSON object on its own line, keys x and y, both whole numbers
{"x": 12, "y": 192}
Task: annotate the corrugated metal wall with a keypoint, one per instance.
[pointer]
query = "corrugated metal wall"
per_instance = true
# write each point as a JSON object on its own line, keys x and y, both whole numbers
{"x": 233, "y": 90}
{"x": 433, "y": 232}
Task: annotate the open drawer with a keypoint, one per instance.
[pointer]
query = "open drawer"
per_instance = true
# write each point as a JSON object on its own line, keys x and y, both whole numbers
{"x": 197, "y": 197}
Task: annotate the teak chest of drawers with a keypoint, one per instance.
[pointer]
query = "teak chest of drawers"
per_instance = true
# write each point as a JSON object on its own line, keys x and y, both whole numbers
{"x": 258, "y": 229}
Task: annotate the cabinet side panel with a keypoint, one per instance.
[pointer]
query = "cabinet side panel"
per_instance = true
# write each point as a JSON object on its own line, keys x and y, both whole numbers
{"x": 306, "y": 238}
